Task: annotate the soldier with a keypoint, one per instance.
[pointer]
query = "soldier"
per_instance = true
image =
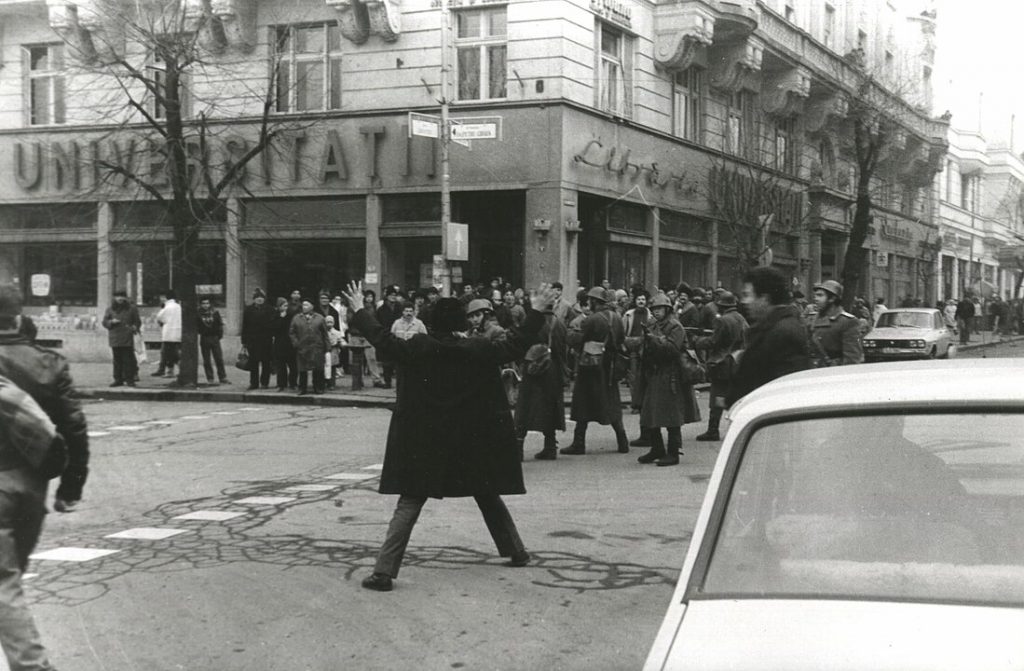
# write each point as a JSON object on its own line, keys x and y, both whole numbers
{"x": 729, "y": 336}
{"x": 480, "y": 314}
{"x": 835, "y": 333}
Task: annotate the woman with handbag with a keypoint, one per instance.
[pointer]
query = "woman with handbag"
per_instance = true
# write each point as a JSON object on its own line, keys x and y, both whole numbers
{"x": 595, "y": 397}
{"x": 669, "y": 401}
{"x": 541, "y": 402}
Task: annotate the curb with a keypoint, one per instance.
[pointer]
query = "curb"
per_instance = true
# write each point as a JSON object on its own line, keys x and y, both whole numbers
{"x": 199, "y": 396}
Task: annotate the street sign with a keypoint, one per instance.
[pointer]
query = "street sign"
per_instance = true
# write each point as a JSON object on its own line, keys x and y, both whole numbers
{"x": 424, "y": 125}
{"x": 458, "y": 242}
{"x": 454, "y": 137}
{"x": 474, "y": 131}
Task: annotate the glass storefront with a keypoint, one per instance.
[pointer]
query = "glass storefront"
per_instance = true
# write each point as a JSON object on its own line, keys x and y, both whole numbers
{"x": 146, "y": 270}
{"x": 310, "y": 265}
{"x": 675, "y": 267}
{"x": 65, "y": 270}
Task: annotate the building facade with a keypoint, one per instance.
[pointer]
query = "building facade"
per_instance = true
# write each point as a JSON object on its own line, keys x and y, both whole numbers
{"x": 620, "y": 121}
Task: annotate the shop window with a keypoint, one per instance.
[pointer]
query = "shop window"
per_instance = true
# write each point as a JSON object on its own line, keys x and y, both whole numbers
{"x": 71, "y": 267}
{"x": 680, "y": 226}
{"x": 321, "y": 213}
{"x": 675, "y": 267}
{"x": 688, "y": 104}
{"x": 740, "y": 123}
{"x": 48, "y": 217}
{"x": 627, "y": 265}
{"x": 614, "y": 71}
{"x": 909, "y": 204}
{"x": 152, "y": 215}
{"x": 307, "y": 67}
{"x": 631, "y": 218}
{"x": 481, "y": 49}
{"x": 152, "y": 265}
{"x": 411, "y": 207}
{"x": 44, "y": 84}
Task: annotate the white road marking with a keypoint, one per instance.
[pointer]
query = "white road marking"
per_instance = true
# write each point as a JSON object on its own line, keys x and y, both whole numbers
{"x": 160, "y": 421}
{"x": 350, "y": 476}
{"x": 224, "y": 412}
{"x": 310, "y": 488}
{"x": 265, "y": 500}
{"x": 209, "y": 515}
{"x": 249, "y": 409}
{"x": 97, "y": 434}
{"x": 374, "y": 467}
{"x": 131, "y": 427}
{"x": 72, "y": 554}
{"x": 193, "y": 417}
{"x": 29, "y": 576}
{"x": 147, "y": 533}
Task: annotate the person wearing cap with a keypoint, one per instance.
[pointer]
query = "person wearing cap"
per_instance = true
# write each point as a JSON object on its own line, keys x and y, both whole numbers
{"x": 777, "y": 338}
{"x": 258, "y": 339}
{"x": 540, "y": 404}
{"x": 312, "y": 342}
{"x": 727, "y": 338}
{"x": 210, "y": 327}
{"x": 122, "y": 323}
{"x": 480, "y": 315}
{"x": 668, "y": 398}
{"x": 169, "y": 319}
{"x": 835, "y": 333}
{"x": 43, "y": 374}
{"x": 687, "y": 312}
{"x": 595, "y": 396}
{"x": 451, "y": 432}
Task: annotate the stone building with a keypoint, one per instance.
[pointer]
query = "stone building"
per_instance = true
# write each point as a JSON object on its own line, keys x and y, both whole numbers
{"x": 619, "y": 121}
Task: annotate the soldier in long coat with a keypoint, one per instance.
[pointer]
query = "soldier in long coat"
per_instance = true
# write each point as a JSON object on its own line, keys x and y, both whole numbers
{"x": 595, "y": 396}
{"x": 451, "y": 432}
{"x": 835, "y": 333}
{"x": 541, "y": 402}
{"x": 727, "y": 338}
{"x": 669, "y": 401}
{"x": 311, "y": 341}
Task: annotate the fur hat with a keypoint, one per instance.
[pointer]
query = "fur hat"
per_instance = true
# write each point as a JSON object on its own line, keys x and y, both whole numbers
{"x": 259, "y": 293}
{"x": 448, "y": 315}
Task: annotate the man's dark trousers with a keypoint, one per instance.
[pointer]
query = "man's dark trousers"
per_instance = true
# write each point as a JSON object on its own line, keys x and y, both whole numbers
{"x": 126, "y": 367}
{"x": 209, "y": 346}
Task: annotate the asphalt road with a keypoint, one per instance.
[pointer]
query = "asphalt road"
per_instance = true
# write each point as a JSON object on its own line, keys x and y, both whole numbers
{"x": 277, "y": 587}
{"x": 997, "y": 351}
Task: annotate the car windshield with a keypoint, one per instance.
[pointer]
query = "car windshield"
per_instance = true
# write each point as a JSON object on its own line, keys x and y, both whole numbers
{"x": 899, "y": 320}
{"x": 918, "y": 507}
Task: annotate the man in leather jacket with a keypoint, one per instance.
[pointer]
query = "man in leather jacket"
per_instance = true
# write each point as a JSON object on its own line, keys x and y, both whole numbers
{"x": 43, "y": 375}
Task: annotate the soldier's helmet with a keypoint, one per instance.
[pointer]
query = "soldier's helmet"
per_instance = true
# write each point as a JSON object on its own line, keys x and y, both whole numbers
{"x": 726, "y": 299}
{"x": 832, "y": 287}
{"x": 598, "y": 293}
{"x": 478, "y": 304}
{"x": 660, "y": 301}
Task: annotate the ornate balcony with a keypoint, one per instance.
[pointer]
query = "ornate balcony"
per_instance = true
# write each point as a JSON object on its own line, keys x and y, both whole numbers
{"x": 734, "y": 65}
{"x": 784, "y": 91}
{"x": 359, "y": 19}
{"x": 681, "y": 31}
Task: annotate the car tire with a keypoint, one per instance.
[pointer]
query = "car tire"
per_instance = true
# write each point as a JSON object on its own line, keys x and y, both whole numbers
{"x": 933, "y": 353}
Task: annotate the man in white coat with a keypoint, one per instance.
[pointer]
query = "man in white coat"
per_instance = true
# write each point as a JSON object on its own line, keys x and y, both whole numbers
{"x": 169, "y": 319}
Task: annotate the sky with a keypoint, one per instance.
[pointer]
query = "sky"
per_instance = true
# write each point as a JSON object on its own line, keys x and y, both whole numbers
{"x": 979, "y": 66}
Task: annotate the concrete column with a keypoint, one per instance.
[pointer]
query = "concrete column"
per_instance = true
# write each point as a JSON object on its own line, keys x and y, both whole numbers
{"x": 956, "y": 278}
{"x": 653, "y": 217}
{"x": 545, "y": 252}
{"x": 814, "y": 256}
{"x": 105, "y": 280}
{"x": 234, "y": 280}
{"x": 373, "y": 249}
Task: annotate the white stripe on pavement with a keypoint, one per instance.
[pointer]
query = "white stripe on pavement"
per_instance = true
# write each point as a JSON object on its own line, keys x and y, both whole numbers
{"x": 265, "y": 500}
{"x": 350, "y": 476}
{"x": 309, "y": 488}
{"x": 374, "y": 467}
{"x": 209, "y": 515}
{"x": 72, "y": 554}
{"x": 97, "y": 434}
{"x": 147, "y": 533}
{"x": 127, "y": 427}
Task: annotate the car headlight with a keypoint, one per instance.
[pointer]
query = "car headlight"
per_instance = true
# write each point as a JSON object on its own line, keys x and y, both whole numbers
{"x": 919, "y": 343}
{"x": 869, "y": 343}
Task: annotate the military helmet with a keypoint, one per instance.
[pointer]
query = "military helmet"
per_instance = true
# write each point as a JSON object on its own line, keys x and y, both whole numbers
{"x": 832, "y": 287}
{"x": 726, "y": 299}
{"x": 478, "y": 304}
{"x": 660, "y": 301}
{"x": 598, "y": 293}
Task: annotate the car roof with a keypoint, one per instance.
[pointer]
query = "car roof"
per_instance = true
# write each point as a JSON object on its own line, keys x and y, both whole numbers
{"x": 909, "y": 383}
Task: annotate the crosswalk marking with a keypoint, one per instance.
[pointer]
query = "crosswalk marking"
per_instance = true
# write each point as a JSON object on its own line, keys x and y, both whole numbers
{"x": 160, "y": 421}
{"x": 192, "y": 417}
{"x": 310, "y": 488}
{"x": 72, "y": 554}
{"x": 224, "y": 412}
{"x": 209, "y": 515}
{"x": 147, "y": 533}
{"x": 126, "y": 427}
{"x": 97, "y": 434}
{"x": 265, "y": 500}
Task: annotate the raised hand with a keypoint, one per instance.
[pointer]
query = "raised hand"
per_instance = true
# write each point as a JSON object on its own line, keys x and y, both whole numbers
{"x": 542, "y": 297}
{"x": 354, "y": 295}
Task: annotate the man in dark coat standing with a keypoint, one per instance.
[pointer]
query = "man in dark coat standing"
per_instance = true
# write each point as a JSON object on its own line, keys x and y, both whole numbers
{"x": 451, "y": 432}
{"x": 965, "y": 318}
{"x": 777, "y": 340}
{"x": 540, "y": 405}
{"x": 122, "y": 323}
{"x": 258, "y": 339}
{"x": 595, "y": 396}
{"x": 727, "y": 338}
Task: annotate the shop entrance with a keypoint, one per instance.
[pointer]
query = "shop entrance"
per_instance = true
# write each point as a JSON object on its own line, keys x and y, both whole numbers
{"x": 311, "y": 266}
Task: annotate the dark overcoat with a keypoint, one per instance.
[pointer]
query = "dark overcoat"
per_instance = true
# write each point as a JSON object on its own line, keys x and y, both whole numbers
{"x": 540, "y": 405}
{"x": 123, "y": 333}
{"x": 776, "y": 346}
{"x": 283, "y": 348}
{"x": 258, "y": 331}
{"x": 595, "y": 396}
{"x": 451, "y": 432}
{"x": 310, "y": 340}
{"x": 729, "y": 336}
{"x": 669, "y": 400}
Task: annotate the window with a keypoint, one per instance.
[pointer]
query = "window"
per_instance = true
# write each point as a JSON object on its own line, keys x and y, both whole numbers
{"x": 688, "y": 104}
{"x": 614, "y": 72}
{"x": 480, "y": 42}
{"x": 739, "y": 123}
{"x": 44, "y": 83}
{"x": 158, "y": 70}
{"x": 829, "y": 30}
{"x": 909, "y": 203}
{"x": 862, "y": 41}
{"x": 784, "y": 145}
{"x": 308, "y": 67}
{"x": 790, "y": 13}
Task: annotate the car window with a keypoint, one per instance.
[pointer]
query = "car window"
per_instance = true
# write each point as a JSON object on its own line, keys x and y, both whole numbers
{"x": 921, "y": 320}
{"x": 919, "y": 507}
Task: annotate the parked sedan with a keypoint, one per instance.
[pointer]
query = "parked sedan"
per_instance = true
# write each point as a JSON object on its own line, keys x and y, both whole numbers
{"x": 909, "y": 333}
{"x": 861, "y": 517}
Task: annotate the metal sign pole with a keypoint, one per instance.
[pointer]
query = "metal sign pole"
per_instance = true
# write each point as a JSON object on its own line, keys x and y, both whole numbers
{"x": 446, "y": 196}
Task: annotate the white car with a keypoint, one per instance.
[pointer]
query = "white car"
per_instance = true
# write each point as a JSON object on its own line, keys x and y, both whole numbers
{"x": 861, "y": 517}
{"x": 909, "y": 333}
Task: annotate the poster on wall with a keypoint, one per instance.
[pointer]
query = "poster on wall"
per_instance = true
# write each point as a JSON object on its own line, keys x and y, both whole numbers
{"x": 40, "y": 284}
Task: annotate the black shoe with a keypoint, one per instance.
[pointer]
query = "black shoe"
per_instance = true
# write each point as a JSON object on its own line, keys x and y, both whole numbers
{"x": 574, "y": 449}
{"x": 668, "y": 460}
{"x": 379, "y": 582}
{"x": 547, "y": 454}
{"x": 64, "y": 506}
{"x": 650, "y": 457}
{"x": 380, "y": 385}
{"x": 117, "y": 384}
{"x": 640, "y": 442}
{"x": 225, "y": 381}
{"x": 623, "y": 446}
{"x": 708, "y": 436}
{"x": 519, "y": 559}
{"x": 303, "y": 392}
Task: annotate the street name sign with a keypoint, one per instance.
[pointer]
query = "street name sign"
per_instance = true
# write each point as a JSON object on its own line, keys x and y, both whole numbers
{"x": 424, "y": 125}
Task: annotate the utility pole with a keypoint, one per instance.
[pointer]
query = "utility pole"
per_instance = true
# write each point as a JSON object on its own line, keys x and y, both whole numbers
{"x": 446, "y": 138}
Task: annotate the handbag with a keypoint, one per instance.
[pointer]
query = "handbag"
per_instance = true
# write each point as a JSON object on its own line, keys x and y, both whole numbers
{"x": 140, "y": 349}
{"x": 693, "y": 369}
{"x": 538, "y": 358}
{"x": 242, "y": 361}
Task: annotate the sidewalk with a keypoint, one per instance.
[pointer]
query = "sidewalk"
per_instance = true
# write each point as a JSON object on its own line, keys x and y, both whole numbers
{"x": 92, "y": 381}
